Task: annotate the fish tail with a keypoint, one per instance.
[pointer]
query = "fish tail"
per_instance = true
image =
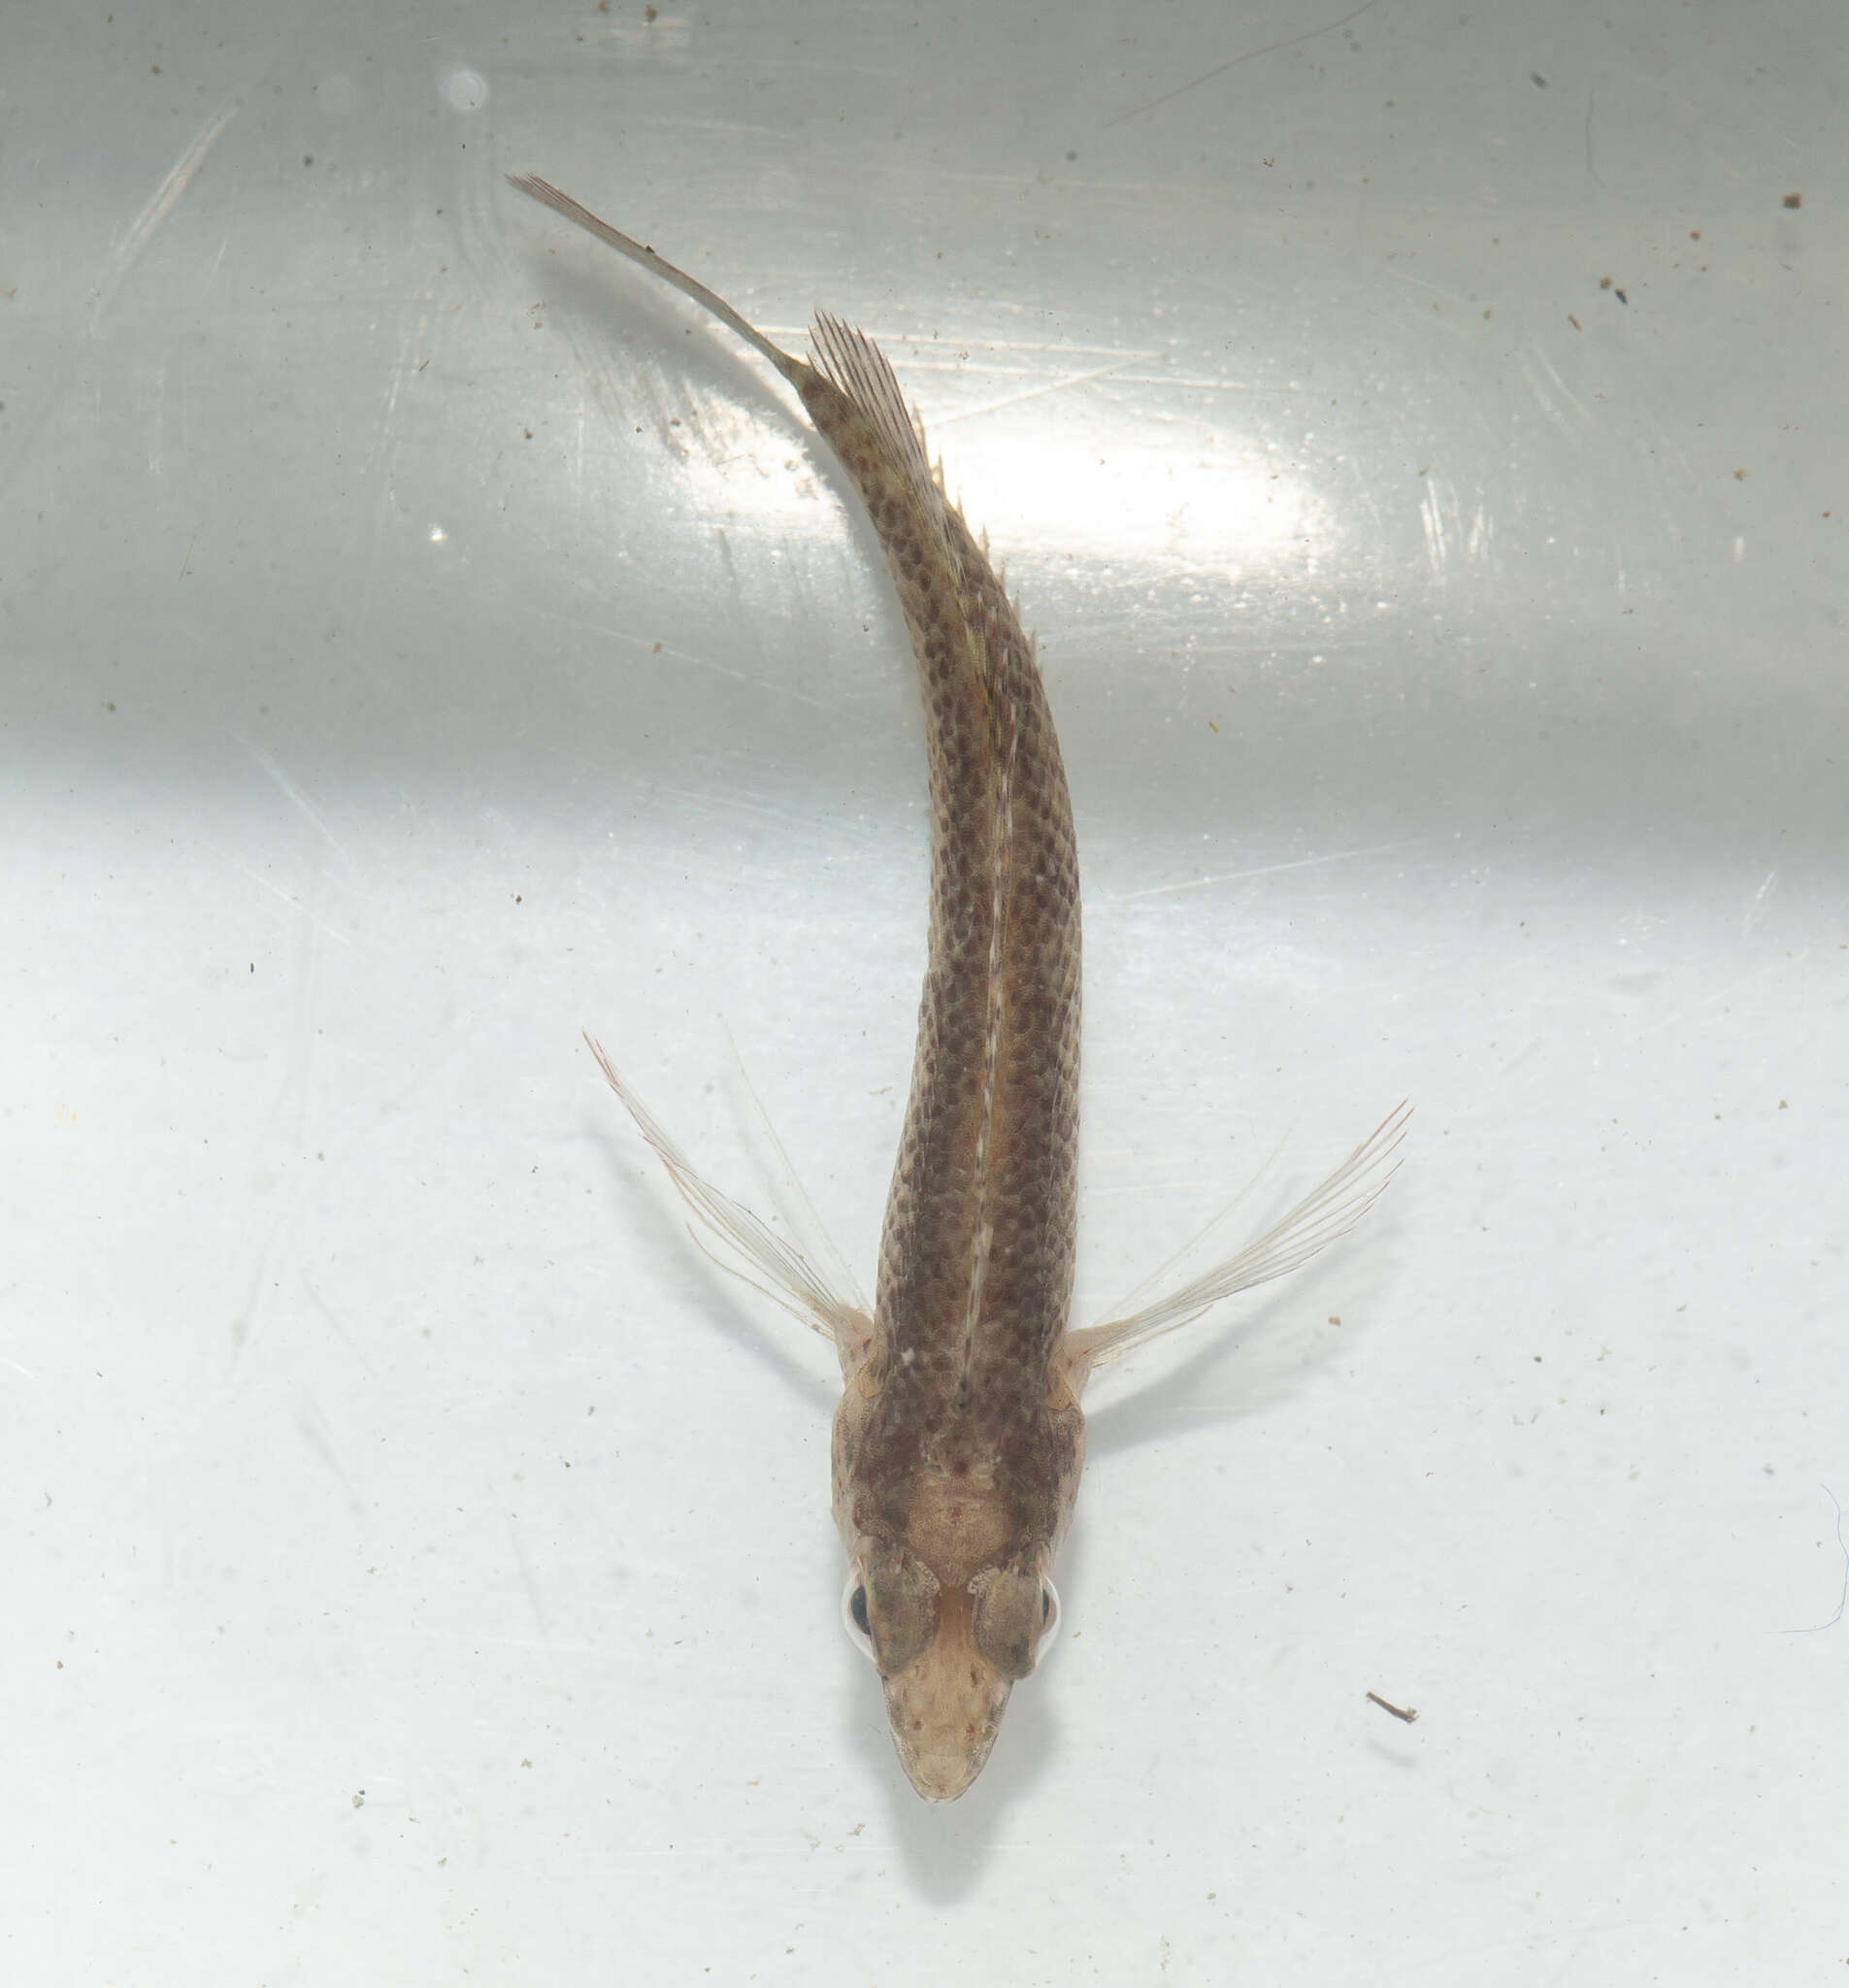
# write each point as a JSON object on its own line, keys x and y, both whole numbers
{"x": 543, "y": 191}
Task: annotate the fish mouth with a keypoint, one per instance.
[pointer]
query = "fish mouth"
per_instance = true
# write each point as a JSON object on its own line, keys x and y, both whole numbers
{"x": 942, "y": 1776}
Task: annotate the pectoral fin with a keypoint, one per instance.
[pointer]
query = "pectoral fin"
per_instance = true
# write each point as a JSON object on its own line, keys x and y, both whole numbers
{"x": 790, "y": 1279}
{"x": 1329, "y": 1211}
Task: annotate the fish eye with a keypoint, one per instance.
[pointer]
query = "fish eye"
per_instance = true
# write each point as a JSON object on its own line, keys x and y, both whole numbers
{"x": 1050, "y": 1618}
{"x": 854, "y": 1615}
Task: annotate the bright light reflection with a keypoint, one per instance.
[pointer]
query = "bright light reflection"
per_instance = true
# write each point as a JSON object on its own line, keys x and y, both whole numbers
{"x": 1192, "y": 506}
{"x": 1097, "y": 495}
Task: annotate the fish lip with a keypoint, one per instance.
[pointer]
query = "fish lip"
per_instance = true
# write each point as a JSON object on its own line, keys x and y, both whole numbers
{"x": 940, "y": 1792}
{"x": 942, "y": 1776}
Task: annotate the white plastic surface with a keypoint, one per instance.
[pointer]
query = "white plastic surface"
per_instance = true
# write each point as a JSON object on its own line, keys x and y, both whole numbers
{"x": 1420, "y": 441}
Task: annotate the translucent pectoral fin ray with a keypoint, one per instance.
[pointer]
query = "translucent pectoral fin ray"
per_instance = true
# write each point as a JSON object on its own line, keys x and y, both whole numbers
{"x": 1328, "y": 1211}
{"x": 790, "y": 1280}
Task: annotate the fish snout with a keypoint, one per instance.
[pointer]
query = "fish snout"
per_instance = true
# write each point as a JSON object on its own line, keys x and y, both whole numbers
{"x": 950, "y": 1644}
{"x": 944, "y": 1728}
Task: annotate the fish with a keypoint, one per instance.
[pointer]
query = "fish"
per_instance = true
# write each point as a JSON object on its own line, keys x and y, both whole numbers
{"x": 959, "y": 1438}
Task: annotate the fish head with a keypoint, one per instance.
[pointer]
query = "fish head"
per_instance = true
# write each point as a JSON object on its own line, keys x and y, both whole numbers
{"x": 949, "y": 1593}
{"x": 947, "y": 1655}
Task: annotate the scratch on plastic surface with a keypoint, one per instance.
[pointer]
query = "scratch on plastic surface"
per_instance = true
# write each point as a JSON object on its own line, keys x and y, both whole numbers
{"x": 160, "y": 204}
{"x": 720, "y": 803}
{"x": 1842, "y": 1597}
{"x": 1432, "y": 518}
{"x": 1559, "y": 385}
{"x": 348, "y": 1338}
{"x": 531, "y": 1585}
{"x": 1055, "y": 386}
{"x": 1419, "y": 283}
{"x": 1755, "y": 914}
{"x": 1482, "y": 537}
{"x": 1028, "y": 357}
{"x": 1234, "y": 61}
{"x": 263, "y": 882}
{"x": 317, "y": 1435}
{"x": 245, "y": 1323}
{"x": 474, "y": 1637}
{"x": 412, "y": 342}
{"x": 685, "y": 659}
{"x": 1702, "y": 1009}
{"x": 291, "y": 792}
{"x": 1239, "y": 875}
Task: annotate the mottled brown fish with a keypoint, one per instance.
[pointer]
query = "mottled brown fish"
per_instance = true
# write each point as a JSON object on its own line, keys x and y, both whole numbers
{"x": 959, "y": 1439}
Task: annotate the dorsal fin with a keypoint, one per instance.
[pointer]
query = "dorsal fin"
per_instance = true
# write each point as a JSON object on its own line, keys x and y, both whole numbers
{"x": 849, "y": 360}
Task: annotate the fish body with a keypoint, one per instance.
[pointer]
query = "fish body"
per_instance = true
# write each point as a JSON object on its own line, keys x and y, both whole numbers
{"x": 959, "y": 1439}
